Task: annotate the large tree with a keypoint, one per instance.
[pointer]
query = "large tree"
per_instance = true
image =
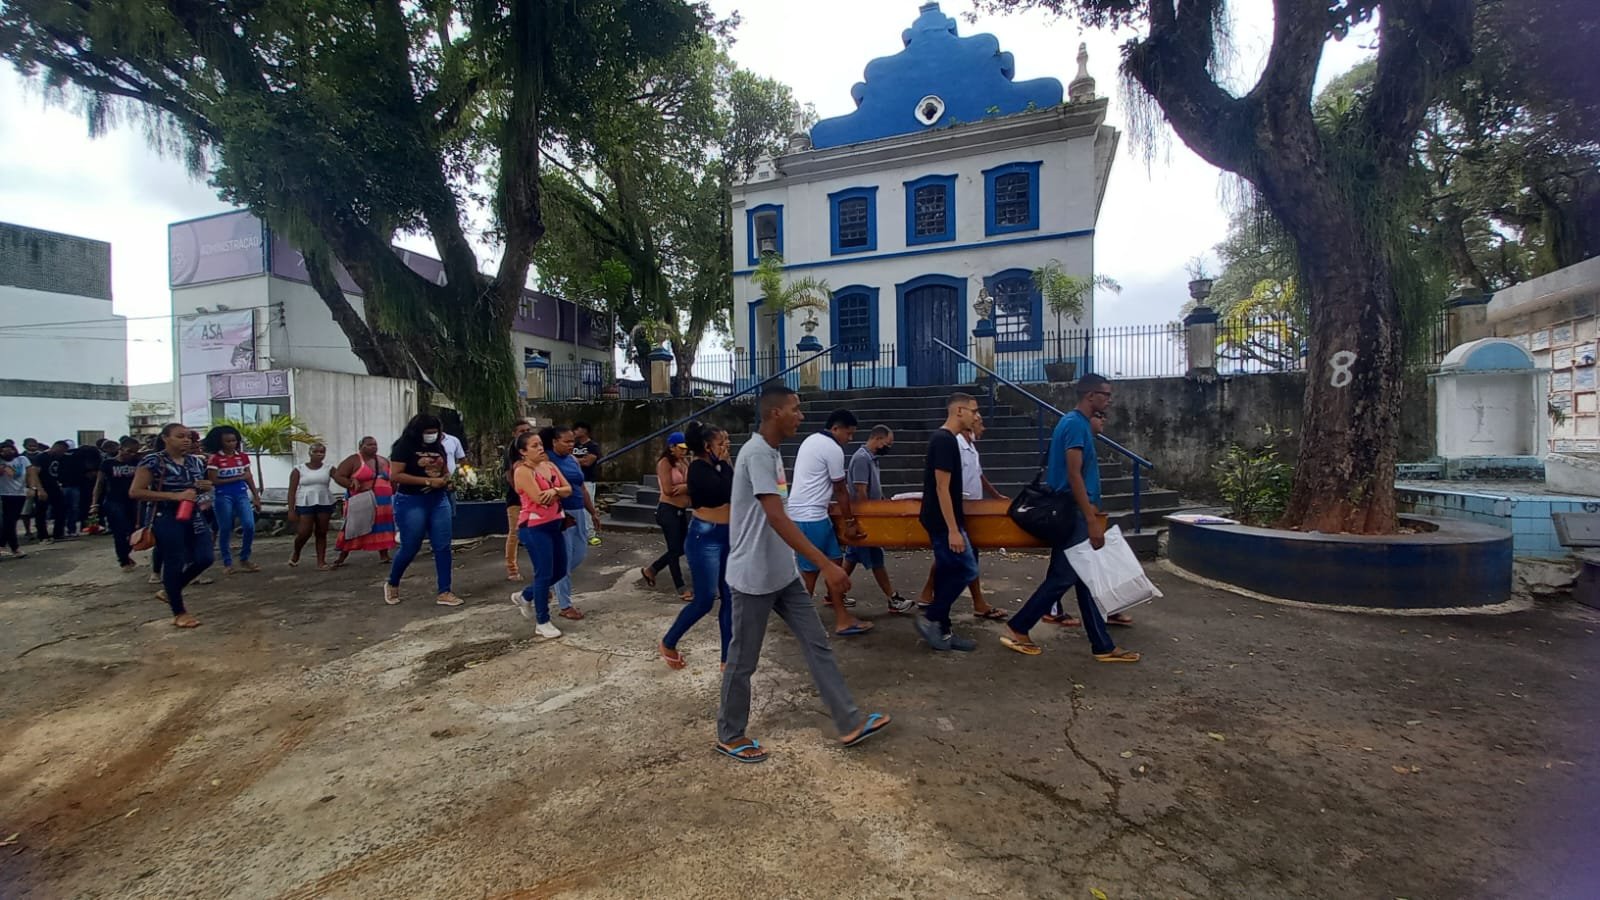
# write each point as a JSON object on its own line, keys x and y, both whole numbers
{"x": 638, "y": 205}
{"x": 345, "y": 123}
{"x": 1329, "y": 192}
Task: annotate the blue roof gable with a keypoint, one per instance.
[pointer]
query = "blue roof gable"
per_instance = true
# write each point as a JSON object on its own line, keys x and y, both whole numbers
{"x": 970, "y": 75}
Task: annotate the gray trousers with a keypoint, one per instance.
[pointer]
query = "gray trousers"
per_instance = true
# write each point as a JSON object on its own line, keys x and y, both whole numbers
{"x": 799, "y": 612}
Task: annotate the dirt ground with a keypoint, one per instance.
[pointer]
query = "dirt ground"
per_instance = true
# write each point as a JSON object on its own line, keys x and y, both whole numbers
{"x": 309, "y": 741}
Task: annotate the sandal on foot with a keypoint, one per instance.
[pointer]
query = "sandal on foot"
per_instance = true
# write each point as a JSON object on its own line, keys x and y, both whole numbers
{"x": 185, "y": 621}
{"x": 673, "y": 658}
{"x": 1069, "y": 622}
{"x": 571, "y": 612}
{"x": 1025, "y": 647}
{"x": 1119, "y": 619}
{"x": 874, "y": 724}
{"x": 391, "y": 593}
{"x": 293, "y": 563}
{"x": 648, "y": 576}
{"x": 991, "y": 613}
{"x": 1118, "y": 655}
{"x": 857, "y": 628}
{"x": 513, "y": 575}
{"x": 742, "y": 751}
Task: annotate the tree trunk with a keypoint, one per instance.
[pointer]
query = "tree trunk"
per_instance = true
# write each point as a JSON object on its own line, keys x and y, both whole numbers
{"x": 683, "y": 355}
{"x": 1344, "y": 478}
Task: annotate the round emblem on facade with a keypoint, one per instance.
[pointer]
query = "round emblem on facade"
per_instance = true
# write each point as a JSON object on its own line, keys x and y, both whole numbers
{"x": 929, "y": 109}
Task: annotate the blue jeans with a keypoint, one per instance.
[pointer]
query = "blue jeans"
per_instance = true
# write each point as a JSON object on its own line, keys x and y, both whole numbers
{"x": 185, "y": 552}
{"x": 119, "y": 517}
{"x": 707, "y": 550}
{"x": 576, "y": 540}
{"x": 231, "y": 509}
{"x": 547, "y": 550}
{"x": 71, "y": 498}
{"x": 419, "y": 516}
{"x": 952, "y": 572}
{"x": 1057, "y": 579}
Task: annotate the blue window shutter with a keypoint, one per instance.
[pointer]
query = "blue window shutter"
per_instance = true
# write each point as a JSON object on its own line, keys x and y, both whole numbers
{"x": 854, "y": 320}
{"x": 1011, "y": 198}
{"x": 930, "y": 210}
{"x": 1018, "y": 310}
{"x": 853, "y": 220}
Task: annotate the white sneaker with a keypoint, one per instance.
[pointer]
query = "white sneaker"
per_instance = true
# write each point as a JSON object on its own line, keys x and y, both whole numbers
{"x": 523, "y": 606}
{"x": 548, "y": 630}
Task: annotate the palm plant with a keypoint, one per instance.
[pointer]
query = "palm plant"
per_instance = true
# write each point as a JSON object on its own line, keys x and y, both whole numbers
{"x": 795, "y": 293}
{"x": 1064, "y": 294}
{"x": 275, "y": 436}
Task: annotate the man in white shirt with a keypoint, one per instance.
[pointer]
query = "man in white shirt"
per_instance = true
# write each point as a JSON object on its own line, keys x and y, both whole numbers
{"x": 819, "y": 479}
{"x": 974, "y": 486}
{"x": 454, "y": 453}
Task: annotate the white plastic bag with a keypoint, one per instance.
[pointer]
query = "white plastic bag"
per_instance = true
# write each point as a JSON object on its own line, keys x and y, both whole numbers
{"x": 1113, "y": 574}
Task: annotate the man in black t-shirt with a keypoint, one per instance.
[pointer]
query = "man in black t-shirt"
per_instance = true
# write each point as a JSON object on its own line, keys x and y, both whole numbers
{"x": 111, "y": 500}
{"x": 54, "y": 470}
{"x": 586, "y": 451}
{"x": 954, "y": 563}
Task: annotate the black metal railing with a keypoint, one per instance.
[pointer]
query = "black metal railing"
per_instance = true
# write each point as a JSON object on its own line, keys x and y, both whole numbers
{"x": 1138, "y": 462}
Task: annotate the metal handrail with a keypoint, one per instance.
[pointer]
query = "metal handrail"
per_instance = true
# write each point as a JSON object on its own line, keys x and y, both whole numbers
{"x": 665, "y": 429}
{"x": 1138, "y": 461}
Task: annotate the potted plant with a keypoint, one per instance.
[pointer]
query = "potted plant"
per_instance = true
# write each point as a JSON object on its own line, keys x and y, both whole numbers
{"x": 1200, "y": 280}
{"x": 480, "y": 502}
{"x": 1064, "y": 295}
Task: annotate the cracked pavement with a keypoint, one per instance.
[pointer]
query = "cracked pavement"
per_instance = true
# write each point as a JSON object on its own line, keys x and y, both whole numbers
{"x": 309, "y": 741}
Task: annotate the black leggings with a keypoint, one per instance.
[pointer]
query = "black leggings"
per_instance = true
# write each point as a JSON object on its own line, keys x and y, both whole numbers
{"x": 674, "y": 524}
{"x": 10, "y": 515}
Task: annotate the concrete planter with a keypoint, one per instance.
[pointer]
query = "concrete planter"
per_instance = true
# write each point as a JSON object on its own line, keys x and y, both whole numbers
{"x": 1459, "y": 564}
{"x": 478, "y": 518}
{"x": 1061, "y": 372}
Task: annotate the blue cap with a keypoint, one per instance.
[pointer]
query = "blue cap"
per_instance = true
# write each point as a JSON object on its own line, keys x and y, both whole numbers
{"x": 676, "y": 438}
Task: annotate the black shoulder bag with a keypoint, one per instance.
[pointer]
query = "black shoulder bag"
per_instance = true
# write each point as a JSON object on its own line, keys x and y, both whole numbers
{"x": 1046, "y": 514}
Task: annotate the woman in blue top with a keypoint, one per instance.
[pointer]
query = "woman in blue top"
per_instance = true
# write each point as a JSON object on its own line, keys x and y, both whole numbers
{"x": 170, "y": 480}
{"x": 559, "y": 443}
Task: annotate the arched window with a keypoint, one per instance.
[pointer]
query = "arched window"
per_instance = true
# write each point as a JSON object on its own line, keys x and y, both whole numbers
{"x": 855, "y": 324}
{"x": 1017, "y": 307}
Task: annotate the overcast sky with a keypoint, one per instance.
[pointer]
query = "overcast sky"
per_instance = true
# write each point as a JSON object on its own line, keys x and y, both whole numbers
{"x": 114, "y": 188}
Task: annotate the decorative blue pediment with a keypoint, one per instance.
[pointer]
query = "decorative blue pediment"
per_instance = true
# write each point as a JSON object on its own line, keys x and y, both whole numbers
{"x": 938, "y": 79}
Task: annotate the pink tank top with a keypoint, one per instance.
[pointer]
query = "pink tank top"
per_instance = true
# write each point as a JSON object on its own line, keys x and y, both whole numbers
{"x": 533, "y": 513}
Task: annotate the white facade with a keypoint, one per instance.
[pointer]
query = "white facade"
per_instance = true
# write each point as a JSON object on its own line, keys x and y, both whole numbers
{"x": 63, "y": 352}
{"x": 925, "y": 285}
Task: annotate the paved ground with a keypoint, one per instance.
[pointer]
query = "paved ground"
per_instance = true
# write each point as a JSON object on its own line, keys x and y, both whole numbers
{"x": 309, "y": 741}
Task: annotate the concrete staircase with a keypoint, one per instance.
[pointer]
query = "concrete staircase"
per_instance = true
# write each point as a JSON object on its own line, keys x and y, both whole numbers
{"x": 1010, "y": 452}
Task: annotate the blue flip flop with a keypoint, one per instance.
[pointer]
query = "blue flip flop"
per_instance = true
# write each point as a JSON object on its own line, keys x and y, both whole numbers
{"x": 875, "y": 723}
{"x": 858, "y": 628}
{"x": 735, "y": 752}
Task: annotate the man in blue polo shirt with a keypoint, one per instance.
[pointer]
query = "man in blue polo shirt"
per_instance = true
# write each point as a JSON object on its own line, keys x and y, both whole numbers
{"x": 1073, "y": 467}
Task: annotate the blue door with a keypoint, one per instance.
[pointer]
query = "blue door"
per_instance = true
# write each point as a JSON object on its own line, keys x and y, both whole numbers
{"x": 931, "y": 311}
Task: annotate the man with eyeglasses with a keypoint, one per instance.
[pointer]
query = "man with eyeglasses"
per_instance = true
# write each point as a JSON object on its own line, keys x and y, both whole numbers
{"x": 1073, "y": 466}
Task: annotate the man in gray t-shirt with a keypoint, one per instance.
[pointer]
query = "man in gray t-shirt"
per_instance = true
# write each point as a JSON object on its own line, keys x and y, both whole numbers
{"x": 865, "y": 483}
{"x": 764, "y": 580}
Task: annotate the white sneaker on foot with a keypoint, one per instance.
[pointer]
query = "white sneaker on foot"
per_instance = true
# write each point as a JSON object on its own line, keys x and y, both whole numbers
{"x": 523, "y": 606}
{"x": 548, "y": 630}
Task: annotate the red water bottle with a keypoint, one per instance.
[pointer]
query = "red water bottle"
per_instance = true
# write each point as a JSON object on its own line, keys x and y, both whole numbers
{"x": 185, "y": 510}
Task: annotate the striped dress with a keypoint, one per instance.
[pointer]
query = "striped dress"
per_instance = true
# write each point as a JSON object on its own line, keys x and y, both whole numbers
{"x": 382, "y": 535}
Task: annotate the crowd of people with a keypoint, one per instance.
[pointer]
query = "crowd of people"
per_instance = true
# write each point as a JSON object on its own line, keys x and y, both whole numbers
{"x": 757, "y": 541}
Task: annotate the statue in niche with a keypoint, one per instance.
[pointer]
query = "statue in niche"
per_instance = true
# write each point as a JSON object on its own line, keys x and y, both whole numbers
{"x": 1483, "y": 433}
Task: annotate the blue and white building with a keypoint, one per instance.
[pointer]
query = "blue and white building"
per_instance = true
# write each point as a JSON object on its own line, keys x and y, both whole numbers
{"x": 950, "y": 177}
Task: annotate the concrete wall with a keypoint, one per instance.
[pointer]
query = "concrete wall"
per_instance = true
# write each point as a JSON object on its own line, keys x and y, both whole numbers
{"x": 1184, "y": 427}
{"x": 616, "y": 423}
{"x": 63, "y": 361}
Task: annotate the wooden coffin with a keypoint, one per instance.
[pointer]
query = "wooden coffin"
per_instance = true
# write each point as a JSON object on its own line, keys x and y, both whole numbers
{"x": 893, "y": 524}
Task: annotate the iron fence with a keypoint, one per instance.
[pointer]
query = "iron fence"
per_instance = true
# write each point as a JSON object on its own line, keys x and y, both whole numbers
{"x": 1243, "y": 347}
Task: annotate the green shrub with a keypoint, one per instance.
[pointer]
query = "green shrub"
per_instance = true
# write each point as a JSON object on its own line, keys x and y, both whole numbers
{"x": 1255, "y": 482}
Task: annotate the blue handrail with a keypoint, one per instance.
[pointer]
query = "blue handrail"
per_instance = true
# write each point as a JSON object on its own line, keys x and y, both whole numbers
{"x": 1138, "y": 461}
{"x": 724, "y": 401}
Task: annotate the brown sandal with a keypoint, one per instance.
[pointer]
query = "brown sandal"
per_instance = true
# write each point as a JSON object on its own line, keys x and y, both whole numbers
{"x": 571, "y": 612}
{"x": 648, "y": 576}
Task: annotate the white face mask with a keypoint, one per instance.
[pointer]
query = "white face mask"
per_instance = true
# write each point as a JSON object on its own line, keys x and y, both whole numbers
{"x": 430, "y": 438}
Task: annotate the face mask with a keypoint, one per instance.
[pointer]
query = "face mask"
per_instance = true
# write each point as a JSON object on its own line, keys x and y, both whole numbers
{"x": 430, "y": 438}
{"x": 883, "y": 450}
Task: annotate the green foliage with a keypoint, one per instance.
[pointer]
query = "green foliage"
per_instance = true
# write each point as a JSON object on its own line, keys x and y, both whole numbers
{"x": 1063, "y": 293}
{"x": 638, "y": 214}
{"x": 1254, "y": 482}
{"x": 472, "y": 484}
{"x": 789, "y": 295}
{"x": 345, "y": 123}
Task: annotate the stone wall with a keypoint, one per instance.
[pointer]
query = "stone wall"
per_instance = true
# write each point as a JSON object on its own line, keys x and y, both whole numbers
{"x": 1184, "y": 427}
{"x": 616, "y": 423}
{"x": 41, "y": 260}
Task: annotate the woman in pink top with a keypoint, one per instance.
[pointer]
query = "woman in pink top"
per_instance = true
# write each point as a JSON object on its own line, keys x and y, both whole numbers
{"x": 540, "y": 486}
